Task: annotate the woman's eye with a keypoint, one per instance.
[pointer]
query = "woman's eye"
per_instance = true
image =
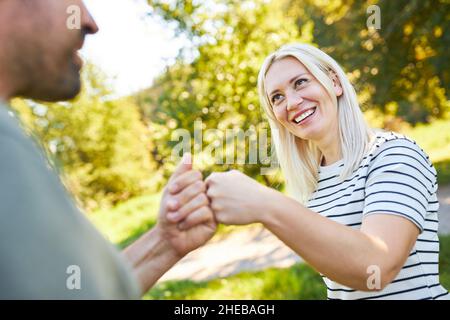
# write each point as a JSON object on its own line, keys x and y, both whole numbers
{"x": 300, "y": 82}
{"x": 276, "y": 98}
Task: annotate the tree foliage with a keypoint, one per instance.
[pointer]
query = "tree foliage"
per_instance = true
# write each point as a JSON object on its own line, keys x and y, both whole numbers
{"x": 100, "y": 144}
{"x": 112, "y": 149}
{"x": 219, "y": 86}
{"x": 400, "y": 70}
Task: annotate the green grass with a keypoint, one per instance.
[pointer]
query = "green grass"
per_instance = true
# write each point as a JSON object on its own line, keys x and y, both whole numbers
{"x": 444, "y": 261}
{"x": 297, "y": 282}
{"x": 127, "y": 221}
{"x": 443, "y": 171}
{"x": 435, "y": 140}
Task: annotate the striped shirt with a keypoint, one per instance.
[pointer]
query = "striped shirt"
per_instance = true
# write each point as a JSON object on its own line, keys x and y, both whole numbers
{"x": 395, "y": 177}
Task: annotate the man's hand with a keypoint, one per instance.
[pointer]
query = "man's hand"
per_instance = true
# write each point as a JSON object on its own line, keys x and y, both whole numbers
{"x": 185, "y": 219}
{"x": 185, "y": 223}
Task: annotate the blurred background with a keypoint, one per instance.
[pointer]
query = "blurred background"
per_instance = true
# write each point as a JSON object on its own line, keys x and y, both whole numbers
{"x": 157, "y": 66}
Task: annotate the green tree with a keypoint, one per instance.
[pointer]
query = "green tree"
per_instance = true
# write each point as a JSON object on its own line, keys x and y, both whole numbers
{"x": 400, "y": 70}
{"x": 403, "y": 68}
{"x": 219, "y": 85}
{"x": 100, "y": 144}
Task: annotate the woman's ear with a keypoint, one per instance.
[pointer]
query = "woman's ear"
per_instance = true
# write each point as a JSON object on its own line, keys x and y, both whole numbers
{"x": 337, "y": 87}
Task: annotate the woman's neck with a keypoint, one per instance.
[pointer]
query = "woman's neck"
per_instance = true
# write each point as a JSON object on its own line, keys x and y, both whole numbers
{"x": 331, "y": 151}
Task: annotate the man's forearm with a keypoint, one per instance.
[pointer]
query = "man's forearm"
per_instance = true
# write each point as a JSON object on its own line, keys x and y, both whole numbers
{"x": 151, "y": 257}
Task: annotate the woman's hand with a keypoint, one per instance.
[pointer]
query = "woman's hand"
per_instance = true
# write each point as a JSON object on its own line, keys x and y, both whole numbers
{"x": 235, "y": 198}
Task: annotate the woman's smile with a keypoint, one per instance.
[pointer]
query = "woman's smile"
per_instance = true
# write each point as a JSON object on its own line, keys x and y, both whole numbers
{"x": 305, "y": 116}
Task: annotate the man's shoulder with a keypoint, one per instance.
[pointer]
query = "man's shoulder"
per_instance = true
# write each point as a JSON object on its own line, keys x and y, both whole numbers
{"x": 17, "y": 147}
{"x": 10, "y": 127}
{"x": 48, "y": 231}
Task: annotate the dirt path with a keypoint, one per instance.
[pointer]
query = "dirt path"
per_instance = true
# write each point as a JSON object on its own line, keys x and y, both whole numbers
{"x": 444, "y": 209}
{"x": 257, "y": 249}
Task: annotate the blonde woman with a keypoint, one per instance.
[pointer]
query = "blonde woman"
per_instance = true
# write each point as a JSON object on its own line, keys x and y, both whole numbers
{"x": 366, "y": 212}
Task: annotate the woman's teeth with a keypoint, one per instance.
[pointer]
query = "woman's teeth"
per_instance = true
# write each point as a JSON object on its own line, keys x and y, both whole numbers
{"x": 304, "y": 115}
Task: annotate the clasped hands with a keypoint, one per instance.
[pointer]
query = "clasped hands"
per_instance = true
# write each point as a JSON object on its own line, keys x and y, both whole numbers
{"x": 191, "y": 207}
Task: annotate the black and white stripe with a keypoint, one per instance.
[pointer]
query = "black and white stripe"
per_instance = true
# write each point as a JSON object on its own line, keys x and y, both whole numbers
{"x": 395, "y": 177}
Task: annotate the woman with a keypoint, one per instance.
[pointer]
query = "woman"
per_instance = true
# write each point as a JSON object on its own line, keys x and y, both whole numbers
{"x": 365, "y": 214}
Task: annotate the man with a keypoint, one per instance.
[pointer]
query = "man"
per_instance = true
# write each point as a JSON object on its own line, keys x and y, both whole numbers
{"x": 44, "y": 239}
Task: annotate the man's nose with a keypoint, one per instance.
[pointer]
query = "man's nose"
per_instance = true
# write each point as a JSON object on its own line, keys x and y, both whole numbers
{"x": 294, "y": 99}
{"x": 88, "y": 22}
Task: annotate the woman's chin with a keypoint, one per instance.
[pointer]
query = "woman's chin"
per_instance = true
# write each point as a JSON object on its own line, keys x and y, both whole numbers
{"x": 306, "y": 133}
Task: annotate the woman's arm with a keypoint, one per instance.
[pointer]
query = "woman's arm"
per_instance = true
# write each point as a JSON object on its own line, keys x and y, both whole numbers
{"x": 343, "y": 254}
{"x": 339, "y": 252}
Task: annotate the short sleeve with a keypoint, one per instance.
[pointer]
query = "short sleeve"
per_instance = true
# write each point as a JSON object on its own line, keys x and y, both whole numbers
{"x": 401, "y": 181}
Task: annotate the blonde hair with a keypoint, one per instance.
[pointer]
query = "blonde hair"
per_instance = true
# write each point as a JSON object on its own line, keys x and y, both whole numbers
{"x": 299, "y": 159}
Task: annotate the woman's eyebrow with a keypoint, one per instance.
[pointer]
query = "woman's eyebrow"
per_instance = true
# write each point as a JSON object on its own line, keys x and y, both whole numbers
{"x": 290, "y": 81}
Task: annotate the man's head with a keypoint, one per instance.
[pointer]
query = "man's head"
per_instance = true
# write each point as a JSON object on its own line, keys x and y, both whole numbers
{"x": 38, "y": 52}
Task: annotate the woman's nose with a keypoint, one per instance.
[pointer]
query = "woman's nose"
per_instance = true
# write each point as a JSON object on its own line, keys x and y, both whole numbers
{"x": 293, "y": 100}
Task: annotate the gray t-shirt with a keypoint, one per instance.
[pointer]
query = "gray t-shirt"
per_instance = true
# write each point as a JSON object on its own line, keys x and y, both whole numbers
{"x": 48, "y": 249}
